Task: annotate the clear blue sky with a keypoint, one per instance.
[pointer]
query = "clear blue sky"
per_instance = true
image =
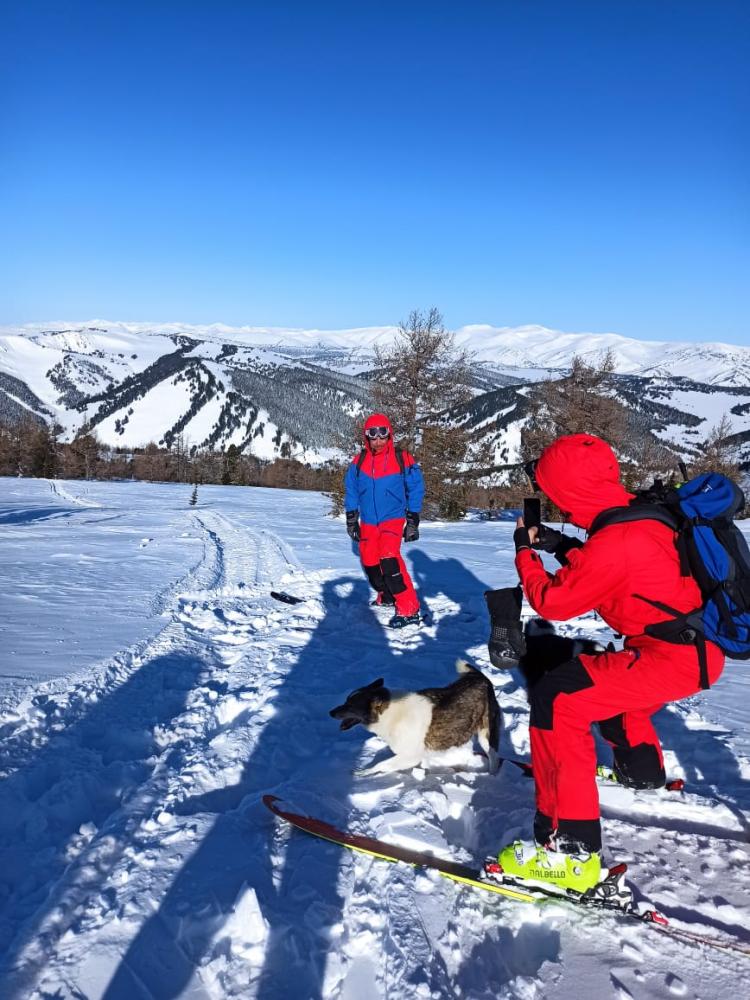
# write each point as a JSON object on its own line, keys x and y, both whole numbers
{"x": 577, "y": 163}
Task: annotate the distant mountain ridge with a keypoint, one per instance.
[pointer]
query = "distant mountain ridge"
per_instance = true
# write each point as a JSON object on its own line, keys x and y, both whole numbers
{"x": 525, "y": 347}
{"x": 293, "y": 393}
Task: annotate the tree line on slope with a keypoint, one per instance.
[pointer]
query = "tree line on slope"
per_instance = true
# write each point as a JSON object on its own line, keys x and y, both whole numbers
{"x": 34, "y": 449}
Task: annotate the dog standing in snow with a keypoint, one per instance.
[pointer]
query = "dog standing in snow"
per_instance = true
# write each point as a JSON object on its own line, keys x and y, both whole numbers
{"x": 413, "y": 723}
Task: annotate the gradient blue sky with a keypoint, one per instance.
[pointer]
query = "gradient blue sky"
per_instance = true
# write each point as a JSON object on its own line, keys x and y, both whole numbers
{"x": 580, "y": 163}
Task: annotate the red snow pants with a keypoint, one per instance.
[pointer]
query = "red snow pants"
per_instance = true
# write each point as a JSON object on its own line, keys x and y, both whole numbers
{"x": 380, "y": 552}
{"x": 632, "y": 684}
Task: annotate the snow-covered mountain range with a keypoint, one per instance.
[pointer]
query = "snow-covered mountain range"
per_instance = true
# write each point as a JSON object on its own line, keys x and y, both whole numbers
{"x": 289, "y": 392}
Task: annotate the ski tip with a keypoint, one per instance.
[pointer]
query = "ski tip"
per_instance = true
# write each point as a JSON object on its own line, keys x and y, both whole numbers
{"x": 654, "y": 917}
{"x": 279, "y": 806}
{"x": 675, "y": 785}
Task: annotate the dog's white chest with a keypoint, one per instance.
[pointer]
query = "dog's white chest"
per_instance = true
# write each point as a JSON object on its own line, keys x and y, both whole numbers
{"x": 404, "y": 724}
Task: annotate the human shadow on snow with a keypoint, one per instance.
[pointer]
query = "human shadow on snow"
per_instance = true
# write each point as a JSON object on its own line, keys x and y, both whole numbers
{"x": 80, "y": 778}
{"x": 299, "y": 753}
{"x": 505, "y": 955}
{"x": 31, "y": 515}
{"x": 712, "y": 769}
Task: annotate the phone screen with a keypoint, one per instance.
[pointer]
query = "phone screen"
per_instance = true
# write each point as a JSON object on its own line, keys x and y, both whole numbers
{"x": 532, "y": 512}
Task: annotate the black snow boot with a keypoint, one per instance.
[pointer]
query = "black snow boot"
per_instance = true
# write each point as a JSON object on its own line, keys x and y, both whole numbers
{"x": 507, "y": 644}
{"x": 639, "y": 767}
{"x": 401, "y": 621}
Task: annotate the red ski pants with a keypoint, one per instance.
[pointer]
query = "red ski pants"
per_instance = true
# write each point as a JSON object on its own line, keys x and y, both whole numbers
{"x": 380, "y": 552}
{"x": 633, "y": 683}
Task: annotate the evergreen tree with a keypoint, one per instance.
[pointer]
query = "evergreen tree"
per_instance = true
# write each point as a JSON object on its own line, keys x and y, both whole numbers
{"x": 418, "y": 378}
{"x": 231, "y": 464}
{"x": 584, "y": 402}
{"x": 719, "y": 452}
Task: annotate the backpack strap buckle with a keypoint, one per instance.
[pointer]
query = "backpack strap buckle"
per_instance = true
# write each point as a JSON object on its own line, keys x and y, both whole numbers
{"x": 688, "y": 635}
{"x": 683, "y": 628}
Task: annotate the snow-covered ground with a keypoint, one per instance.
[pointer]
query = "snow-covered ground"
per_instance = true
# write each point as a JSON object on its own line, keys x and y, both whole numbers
{"x": 153, "y": 691}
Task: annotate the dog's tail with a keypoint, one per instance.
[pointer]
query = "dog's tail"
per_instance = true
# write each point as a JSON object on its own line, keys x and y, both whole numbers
{"x": 464, "y": 667}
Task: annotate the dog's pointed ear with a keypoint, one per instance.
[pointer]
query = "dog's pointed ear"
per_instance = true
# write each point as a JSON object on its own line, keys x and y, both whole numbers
{"x": 379, "y": 683}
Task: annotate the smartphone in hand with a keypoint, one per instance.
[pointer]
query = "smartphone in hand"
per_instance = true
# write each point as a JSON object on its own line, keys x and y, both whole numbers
{"x": 532, "y": 512}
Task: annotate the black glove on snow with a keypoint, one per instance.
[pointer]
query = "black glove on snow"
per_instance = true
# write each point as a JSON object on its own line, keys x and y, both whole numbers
{"x": 521, "y": 538}
{"x": 352, "y": 525}
{"x": 411, "y": 528}
{"x": 554, "y": 541}
{"x": 506, "y": 644}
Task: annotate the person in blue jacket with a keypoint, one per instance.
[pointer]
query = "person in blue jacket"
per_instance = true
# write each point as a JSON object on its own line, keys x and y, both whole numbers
{"x": 384, "y": 489}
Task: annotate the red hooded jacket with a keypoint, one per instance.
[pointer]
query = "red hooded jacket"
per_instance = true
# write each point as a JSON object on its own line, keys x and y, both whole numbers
{"x": 581, "y": 475}
{"x": 378, "y": 488}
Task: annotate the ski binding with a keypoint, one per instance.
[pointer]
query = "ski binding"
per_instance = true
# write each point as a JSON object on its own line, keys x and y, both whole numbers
{"x": 610, "y": 893}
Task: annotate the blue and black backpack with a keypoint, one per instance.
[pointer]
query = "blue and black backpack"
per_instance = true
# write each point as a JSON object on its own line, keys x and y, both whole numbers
{"x": 712, "y": 549}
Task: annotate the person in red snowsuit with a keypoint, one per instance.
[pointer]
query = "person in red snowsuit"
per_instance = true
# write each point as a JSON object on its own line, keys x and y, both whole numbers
{"x": 383, "y": 499}
{"x": 611, "y": 573}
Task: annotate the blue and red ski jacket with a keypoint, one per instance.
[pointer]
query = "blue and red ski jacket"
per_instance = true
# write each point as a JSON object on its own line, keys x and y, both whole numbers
{"x": 378, "y": 488}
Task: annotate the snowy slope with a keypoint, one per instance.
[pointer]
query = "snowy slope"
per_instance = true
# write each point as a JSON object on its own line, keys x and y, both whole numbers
{"x": 132, "y": 387}
{"x": 136, "y": 859}
{"x": 294, "y": 393}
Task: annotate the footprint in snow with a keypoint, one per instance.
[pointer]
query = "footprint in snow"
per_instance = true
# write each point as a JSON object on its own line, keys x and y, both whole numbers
{"x": 229, "y": 655}
{"x": 631, "y": 952}
{"x": 620, "y": 989}
{"x": 235, "y": 616}
{"x": 675, "y": 985}
{"x": 232, "y": 638}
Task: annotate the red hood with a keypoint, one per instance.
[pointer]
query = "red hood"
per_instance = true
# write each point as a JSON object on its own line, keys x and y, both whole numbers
{"x": 378, "y": 420}
{"x": 580, "y": 474}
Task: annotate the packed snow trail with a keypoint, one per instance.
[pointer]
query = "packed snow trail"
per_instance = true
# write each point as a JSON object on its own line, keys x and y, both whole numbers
{"x": 136, "y": 857}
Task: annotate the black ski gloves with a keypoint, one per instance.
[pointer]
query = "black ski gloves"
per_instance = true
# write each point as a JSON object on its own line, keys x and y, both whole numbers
{"x": 352, "y": 525}
{"x": 521, "y": 538}
{"x": 554, "y": 541}
{"x": 411, "y": 528}
{"x": 506, "y": 643}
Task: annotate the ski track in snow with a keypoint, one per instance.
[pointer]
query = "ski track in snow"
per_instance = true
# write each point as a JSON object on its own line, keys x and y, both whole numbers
{"x": 79, "y": 498}
{"x": 137, "y": 860}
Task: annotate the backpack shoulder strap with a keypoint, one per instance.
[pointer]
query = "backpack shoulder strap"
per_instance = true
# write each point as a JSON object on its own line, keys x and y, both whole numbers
{"x": 635, "y": 512}
{"x": 399, "y": 458}
{"x": 645, "y": 511}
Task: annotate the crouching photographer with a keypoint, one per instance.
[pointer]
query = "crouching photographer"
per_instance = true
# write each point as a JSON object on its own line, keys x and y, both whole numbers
{"x": 629, "y": 572}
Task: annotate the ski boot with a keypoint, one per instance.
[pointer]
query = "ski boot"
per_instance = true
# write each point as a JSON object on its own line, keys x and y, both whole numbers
{"x": 575, "y": 876}
{"x": 613, "y": 776}
{"x": 401, "y": 621}
{"x": 549, "y": 869}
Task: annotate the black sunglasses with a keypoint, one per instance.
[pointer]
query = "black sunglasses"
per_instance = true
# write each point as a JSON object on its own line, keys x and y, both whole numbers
{"x": 377, "y": 432}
